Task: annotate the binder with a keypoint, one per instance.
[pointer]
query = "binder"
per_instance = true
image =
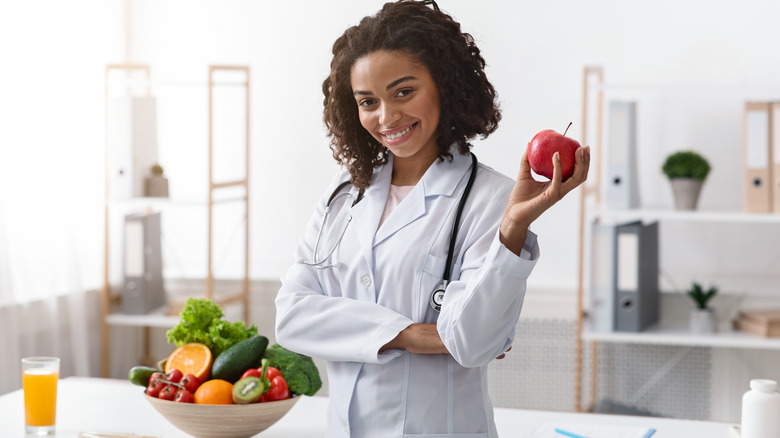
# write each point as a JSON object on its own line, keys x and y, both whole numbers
{"x": 601, "y": 308}
{"x": 622, "y": 188}
{"x": 637, "y": 298}
{"x": 132, "y": 144}
{"x": 774, "y": 152}
{"x": 757, "y": 157}
{"x": 142, "y": 288}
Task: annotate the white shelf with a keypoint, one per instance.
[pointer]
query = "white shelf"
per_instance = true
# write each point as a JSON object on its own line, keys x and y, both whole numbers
{"x": 154, "y": 319}
{"x": 688, "y": 216}
{"x": 725, "y": 338}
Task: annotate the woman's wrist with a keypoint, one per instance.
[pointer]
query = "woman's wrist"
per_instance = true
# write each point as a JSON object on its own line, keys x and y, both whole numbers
{"x": 512, "y": 235}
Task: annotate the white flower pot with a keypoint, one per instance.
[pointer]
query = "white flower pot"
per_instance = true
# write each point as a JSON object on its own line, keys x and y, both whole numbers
{"x": 703, "y": 321}
{"x": 686, "y": 192}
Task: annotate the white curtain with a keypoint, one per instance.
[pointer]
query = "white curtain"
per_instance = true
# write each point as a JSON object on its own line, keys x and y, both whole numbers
{"x": 51, "y": 174}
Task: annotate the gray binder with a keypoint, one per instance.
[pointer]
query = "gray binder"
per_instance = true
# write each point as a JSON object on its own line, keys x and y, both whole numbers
{"x": 142, "y": 288}
{"x": 637, "y": 298}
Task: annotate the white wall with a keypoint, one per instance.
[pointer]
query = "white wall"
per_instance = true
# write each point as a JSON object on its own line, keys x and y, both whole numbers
{"x": 535, "y": 52}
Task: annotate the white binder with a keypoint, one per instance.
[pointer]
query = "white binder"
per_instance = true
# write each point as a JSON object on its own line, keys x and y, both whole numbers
{"x": 132, "y": 138}
{"x": 622, "y": 184}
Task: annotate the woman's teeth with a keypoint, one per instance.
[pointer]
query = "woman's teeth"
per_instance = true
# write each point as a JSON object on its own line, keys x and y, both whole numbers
{"x": 399, "y": 134}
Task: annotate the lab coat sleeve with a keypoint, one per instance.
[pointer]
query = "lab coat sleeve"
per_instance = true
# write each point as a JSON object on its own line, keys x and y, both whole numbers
{"x": 333, "y": 328}
{"x": 323, "y": 324}
{"x": 481, "y": 309}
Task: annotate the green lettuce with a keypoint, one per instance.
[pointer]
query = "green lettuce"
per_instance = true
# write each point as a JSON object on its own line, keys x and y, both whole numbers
{"x": 203, "y": 321}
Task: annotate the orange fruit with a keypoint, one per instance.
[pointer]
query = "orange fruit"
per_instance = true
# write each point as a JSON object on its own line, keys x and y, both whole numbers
{"x": 193, "y": 358}
{"x": 214, "y": 392}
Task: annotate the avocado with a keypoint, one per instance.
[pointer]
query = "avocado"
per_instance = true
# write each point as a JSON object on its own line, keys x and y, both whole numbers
{"x": 239, "y": 357}
{"x": 248, "y": 390}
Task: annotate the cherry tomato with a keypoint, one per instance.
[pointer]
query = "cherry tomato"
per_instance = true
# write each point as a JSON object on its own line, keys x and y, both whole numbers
{"x": 174, "y": 376}
{"x": 154, "y": 388}
{"x": 252, "y": 372}
{"x": 190, "y": 383}
{"x": 183, "y": 396}
{"x": 168, "y": 393}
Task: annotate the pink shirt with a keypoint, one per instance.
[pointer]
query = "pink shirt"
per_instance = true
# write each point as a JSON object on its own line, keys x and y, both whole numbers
{"x": 394, "y": 197}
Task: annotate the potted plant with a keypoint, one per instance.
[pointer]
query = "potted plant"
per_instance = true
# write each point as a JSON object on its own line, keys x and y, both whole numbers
{"x": 156, "y": 185}
{"x": 702, "y": 319}
{"x": 686, "y": 171}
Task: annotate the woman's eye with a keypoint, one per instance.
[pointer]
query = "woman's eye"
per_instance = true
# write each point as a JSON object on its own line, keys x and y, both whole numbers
{"x": 366, "y": 102}
{"x": 404, "y": 92}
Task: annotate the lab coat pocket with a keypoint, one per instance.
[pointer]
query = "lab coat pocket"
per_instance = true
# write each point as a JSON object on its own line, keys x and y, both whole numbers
{"x": 432, "y": 275}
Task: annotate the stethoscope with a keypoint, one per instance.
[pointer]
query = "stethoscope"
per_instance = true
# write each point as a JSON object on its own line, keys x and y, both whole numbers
{"x": 437, "y": 296}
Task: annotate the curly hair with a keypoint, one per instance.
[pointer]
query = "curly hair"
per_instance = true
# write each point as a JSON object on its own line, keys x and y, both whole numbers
{"x": 433, "y": 38}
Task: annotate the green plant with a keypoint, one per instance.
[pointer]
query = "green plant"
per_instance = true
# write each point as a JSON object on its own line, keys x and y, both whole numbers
{"x": 156, "y": 169}
{"x": 700, "y": 296}
{"x": 686, "y": 164}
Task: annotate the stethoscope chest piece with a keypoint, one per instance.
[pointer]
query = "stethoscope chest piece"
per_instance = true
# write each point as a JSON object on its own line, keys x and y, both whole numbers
{"x": 437, "y": 297}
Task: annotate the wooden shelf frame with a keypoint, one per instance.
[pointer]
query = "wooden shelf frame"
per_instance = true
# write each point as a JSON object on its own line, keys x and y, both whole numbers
{"x": 159, "y": 320}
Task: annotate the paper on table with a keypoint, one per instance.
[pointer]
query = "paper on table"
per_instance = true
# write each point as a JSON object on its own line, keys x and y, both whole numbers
{"x": 547, "y": 430}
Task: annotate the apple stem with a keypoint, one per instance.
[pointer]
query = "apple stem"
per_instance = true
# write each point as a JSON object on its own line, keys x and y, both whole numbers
{"x": 567, "y": 128}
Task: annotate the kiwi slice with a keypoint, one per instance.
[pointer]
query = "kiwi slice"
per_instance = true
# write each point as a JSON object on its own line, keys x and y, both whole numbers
{"x": 248, "y": 390}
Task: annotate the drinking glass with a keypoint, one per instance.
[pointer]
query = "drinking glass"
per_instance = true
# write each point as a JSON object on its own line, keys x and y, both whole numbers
{"x": 39, "y": 382}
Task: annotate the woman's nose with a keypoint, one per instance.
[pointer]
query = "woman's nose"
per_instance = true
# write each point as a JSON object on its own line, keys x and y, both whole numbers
{"x": 388, "y": 114}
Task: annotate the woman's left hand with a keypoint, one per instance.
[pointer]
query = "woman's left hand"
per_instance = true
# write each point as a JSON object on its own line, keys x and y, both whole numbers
{"x": 530, "y": 198}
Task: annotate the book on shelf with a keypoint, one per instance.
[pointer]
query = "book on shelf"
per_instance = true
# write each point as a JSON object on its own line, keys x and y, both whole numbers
{"x": 759, "y": 322}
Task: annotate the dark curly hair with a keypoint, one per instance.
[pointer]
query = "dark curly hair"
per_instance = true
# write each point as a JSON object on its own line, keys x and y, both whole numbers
{"x": 433, "y": 38}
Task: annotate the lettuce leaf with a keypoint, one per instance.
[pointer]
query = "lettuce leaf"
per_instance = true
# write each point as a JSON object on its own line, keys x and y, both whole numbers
{"x": 203, "y": 321}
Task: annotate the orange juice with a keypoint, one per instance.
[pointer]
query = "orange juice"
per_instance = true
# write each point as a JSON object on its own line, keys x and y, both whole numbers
{"x": 40, "y": 396}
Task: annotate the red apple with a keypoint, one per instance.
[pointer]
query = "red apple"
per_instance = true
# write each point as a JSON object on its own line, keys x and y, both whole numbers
{"x": 542, "y": 148}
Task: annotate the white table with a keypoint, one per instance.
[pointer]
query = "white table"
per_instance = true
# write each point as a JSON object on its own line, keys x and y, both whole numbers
{"x": 104, "y": 405}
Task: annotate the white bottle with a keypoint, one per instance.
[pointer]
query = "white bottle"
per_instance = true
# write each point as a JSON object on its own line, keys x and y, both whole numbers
{"x": 761, "y": 410}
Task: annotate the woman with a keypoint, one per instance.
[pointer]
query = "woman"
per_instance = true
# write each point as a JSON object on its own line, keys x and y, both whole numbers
{"x": 406, "y": 92}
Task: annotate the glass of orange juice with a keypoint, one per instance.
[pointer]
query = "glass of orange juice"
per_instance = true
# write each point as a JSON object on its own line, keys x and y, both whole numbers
{"x": 39, "y": 382}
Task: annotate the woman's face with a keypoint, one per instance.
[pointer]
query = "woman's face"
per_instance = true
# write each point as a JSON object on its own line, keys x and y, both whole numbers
{"x": 398, "y": 102}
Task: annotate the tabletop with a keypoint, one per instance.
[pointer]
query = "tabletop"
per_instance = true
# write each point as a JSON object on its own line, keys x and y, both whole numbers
{"x": 117, "y": 406}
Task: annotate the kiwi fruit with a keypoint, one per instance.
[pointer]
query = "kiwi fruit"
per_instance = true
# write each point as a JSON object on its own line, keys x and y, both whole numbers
{"x": 248, "y": 390}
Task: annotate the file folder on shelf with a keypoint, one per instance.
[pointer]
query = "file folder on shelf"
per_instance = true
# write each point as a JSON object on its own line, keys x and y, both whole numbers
{"x": 143, "y": 289}
{"x": 635, "y": 270}
{"x": 601, "y": 307}
{"x": 758, "y": 157}
{"x": 132, "y": 131}
{"x": 622, "y": 188}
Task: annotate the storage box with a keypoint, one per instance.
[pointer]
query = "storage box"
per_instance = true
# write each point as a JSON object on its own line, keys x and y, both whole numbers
{"x": 759, "y": 322}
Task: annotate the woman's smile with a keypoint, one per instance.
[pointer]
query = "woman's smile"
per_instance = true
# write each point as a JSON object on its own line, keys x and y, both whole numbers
{"x": 398, "y": 135}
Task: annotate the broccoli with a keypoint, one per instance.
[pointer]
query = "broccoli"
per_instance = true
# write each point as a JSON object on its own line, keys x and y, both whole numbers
{"x": 298, "y": 370}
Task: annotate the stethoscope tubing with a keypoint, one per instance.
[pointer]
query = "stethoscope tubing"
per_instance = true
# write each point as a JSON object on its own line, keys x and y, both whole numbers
{"x": 437, "y": 296}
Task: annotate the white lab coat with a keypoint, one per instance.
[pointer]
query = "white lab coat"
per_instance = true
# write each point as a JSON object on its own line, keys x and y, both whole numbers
{"x": 381, "y": 283}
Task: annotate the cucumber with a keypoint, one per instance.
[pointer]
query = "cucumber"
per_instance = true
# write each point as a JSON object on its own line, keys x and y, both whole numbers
{"x": 140, "y": 375}
{"x": 239, "y": 357}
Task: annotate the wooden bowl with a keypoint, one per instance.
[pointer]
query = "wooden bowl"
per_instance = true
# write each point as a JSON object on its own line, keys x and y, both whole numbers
{"x": 222, "y": 421}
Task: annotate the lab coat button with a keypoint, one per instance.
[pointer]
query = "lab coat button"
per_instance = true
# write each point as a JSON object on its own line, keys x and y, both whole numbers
{"x": 346, "y": 431}
{"x": 366, "y": 280}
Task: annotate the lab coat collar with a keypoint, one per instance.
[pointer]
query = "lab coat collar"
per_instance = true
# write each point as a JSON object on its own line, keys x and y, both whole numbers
{"x": 440, "y": 179}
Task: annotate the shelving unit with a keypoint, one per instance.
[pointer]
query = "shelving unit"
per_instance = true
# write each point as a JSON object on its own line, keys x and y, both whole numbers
{"x": 666, "y": 332}
{"x": 166, "y": 318}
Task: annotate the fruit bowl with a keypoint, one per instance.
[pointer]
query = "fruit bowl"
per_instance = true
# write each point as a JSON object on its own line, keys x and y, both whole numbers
{"x": 222, "y": 421}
